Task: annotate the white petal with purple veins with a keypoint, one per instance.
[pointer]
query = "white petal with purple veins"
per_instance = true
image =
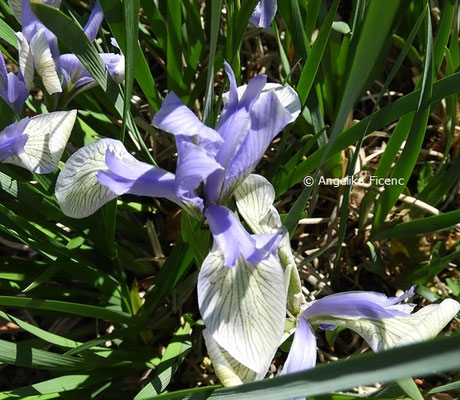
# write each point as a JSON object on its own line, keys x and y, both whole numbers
{"x": 26, "y": 61}
{"x": 44, "y": 63}
{"x": 243, "y": 307}
{"x": 78, "y": 190}
{"x": 47, "y": 137}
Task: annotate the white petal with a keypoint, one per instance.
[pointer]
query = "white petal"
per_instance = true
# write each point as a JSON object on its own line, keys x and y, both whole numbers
{"x": 229, "y": 371}
{"x": 48, "y": 135}
{"x": 26, "y": 62}
{"x": 243, "y": 308}
{"x": 383, "y": 334}
{"x": 15, "y": 6}
{"x": 286, "y": 95}
{"x": 254, "y": 199}
{"x": 78, "y": 190}
{"x": 44, "y": 63}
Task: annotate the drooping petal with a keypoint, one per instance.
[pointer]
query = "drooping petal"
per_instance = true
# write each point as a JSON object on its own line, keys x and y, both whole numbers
{"x": 94, "y": 22}
{"x": 47, "y": 137}
{"x": 128, "y": 175}
{"x": 115, "y": 64}
{"x": 44, "y": 63}
{"x": 287, "y": 96}
{"x": 229, "y": 371}
{"x": 264, "y": 13}
{"x": 385, "y": 333}
{"x": 254, "y": 199}
{"x": 79, "y": 189}
{"x": 243, "y": 308}
{"x": 268, "y": 118}
{"x": 26, "y": 61}
{"x": 234, "y": 240}
{"x": 302, "y": 354}
{"x": 176, "y": 118}
{"x": 359, "y": 304}
{"x": 194, "y": 165}
{"x": 13, "y": 139}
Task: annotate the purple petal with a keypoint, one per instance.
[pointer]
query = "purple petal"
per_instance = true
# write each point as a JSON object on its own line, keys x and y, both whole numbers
{"x": 12, "y": 139}
{"x": 3, "y": 75}
{"x": 194, "y": 165}
{"x": 358, "y": 304}
{"x": 176, "y": 118}
{"x": 234, "y": 240}
{"x": 115, "y": 64}
{"x": 17, "y": 93}
{"x": 74, "y": 73}
{"x": 268, "y": 118}
{"x": 94, "y": 22}
{"x": 302, "y": 354}
{"x": 264, "y": 13}
{"x": 137, "y": 178}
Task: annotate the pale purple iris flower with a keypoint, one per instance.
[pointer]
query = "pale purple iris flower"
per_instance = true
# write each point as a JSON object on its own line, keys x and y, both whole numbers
{"x": 38, "y": 51}
{"x": 211, "y": 164}
{"x": 264, "y": 13}
{"x": 12, "y": 88}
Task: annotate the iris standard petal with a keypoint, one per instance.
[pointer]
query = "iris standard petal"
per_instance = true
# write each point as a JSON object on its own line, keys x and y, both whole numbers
{"x": 74, "y": 74}
{"x": 115, "y": 64}
{"x": 234, "y": 240}
{"x": 268, "y": 118}
{"x": 176, "y": 118}
{"x": 287, "y": 96}
{"x": 302, "y": 354}
{"x": 94, "y": 22}
{"x": 17, "y": 93}
{"x": 264, "y": 13}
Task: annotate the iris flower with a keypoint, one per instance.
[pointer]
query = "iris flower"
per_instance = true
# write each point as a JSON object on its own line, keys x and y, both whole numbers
{"x": 38, "y": 51}
{"x": 211, "y": 164}
{"x": 37, "y": 143}
{"x": 264, "y": 13}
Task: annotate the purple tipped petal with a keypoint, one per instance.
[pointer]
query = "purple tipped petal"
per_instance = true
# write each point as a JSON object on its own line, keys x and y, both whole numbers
{"x": 264, "y": 13}
{"x": 358, "y": 304}
{"x": 12, "y": 139}
{"x": 302, "y": 354}
{"x": 176, "y": 118}
{"x": 234, "y": 240}
{"x": 136, "y": 177}
{"x": 94, "y": 22}
{"x": 233, "y": 93}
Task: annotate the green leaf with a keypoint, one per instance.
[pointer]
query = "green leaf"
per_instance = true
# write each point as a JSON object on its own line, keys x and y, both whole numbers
{"x": 419, "y": 226}
{"x": 421, "y": 359}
